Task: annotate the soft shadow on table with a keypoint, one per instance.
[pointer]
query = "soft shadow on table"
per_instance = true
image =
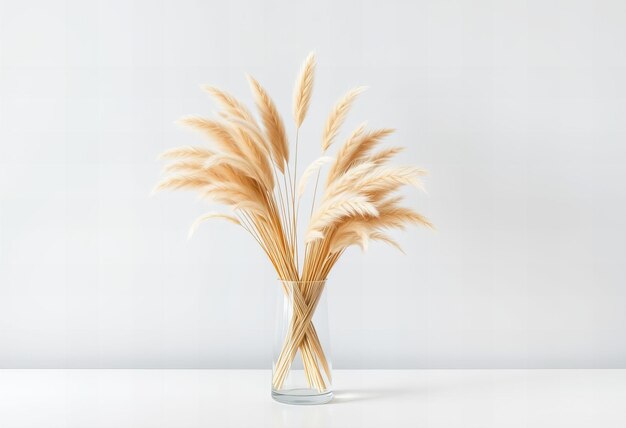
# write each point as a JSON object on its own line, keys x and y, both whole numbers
{"x": 443, "y": 386}
{"x": 353, "y": 395}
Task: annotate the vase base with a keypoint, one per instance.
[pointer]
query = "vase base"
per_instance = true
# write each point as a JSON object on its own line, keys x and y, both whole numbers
{"x": 302, "y": 396}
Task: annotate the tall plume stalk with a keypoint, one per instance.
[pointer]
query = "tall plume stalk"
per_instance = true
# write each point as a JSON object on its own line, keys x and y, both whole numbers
{"x": 247, "y": 168}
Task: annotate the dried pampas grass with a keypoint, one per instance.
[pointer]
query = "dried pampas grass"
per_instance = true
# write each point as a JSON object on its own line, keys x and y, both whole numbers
{"x": 247, "y": 168}
{"x": 338, "y": 117}
{"x": 303, "y": 90}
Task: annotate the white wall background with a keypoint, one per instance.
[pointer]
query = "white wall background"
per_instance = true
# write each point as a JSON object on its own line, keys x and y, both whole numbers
{"x": 517, "y": 108}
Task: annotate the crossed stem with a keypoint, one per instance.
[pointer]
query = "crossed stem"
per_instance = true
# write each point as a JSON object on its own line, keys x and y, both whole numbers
{"x": 303, "y": 336}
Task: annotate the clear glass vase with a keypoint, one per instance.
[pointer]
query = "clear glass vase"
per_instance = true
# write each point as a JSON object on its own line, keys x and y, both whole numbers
{"x": 301, "y": 370}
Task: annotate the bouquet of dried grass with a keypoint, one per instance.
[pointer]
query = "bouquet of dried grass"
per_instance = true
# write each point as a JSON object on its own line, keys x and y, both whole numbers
{"x": 248, "y": 168}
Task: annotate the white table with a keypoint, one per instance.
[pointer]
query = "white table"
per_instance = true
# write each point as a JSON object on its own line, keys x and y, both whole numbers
{"x": 364, "y": 398}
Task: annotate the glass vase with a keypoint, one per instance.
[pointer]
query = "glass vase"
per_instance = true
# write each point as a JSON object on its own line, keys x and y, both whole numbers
{"x": 301, "y": 370}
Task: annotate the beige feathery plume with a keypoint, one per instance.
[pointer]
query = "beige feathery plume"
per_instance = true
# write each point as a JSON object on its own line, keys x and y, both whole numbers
{"x": 346, "y": 181}
{"x": 344, "y": 237}
{"x": 379, "y": 236}
{"x": 234, "y": 162}
{"x": 181, "y": 181}
{"x": 303, "y": 90}
{"x": 359, "y": 235}
{"x": 335, "y": 210}
{"x": 387, "y": 218}
{"x": 219, "y": 132}
{"x": 356, "y": 148}
{"x": 392, "y": 215}
{"x": 237, "y": 195}
{"x": 230, "y": 104}
{"x": 383, "y": 155}
{"x": 186, "y": 166}
{"x": 186, "y": 152}
{"x": 378, "y": 182}
{"x": 254, "y": 132}
{"x": 274, "y": 128}
{"x": 239, "y": 151}
{"x": 345, "y": 240}
{"x": 256, "y": 150}
{"x": 310, "y": 170}
{"x": 209, "y": 216}
{"x": 390, "y": 178}
{"x": 338, "y": 116}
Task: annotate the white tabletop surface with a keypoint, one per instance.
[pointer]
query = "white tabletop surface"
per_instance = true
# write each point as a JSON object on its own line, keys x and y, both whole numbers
{"x": 364, "y": 398}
